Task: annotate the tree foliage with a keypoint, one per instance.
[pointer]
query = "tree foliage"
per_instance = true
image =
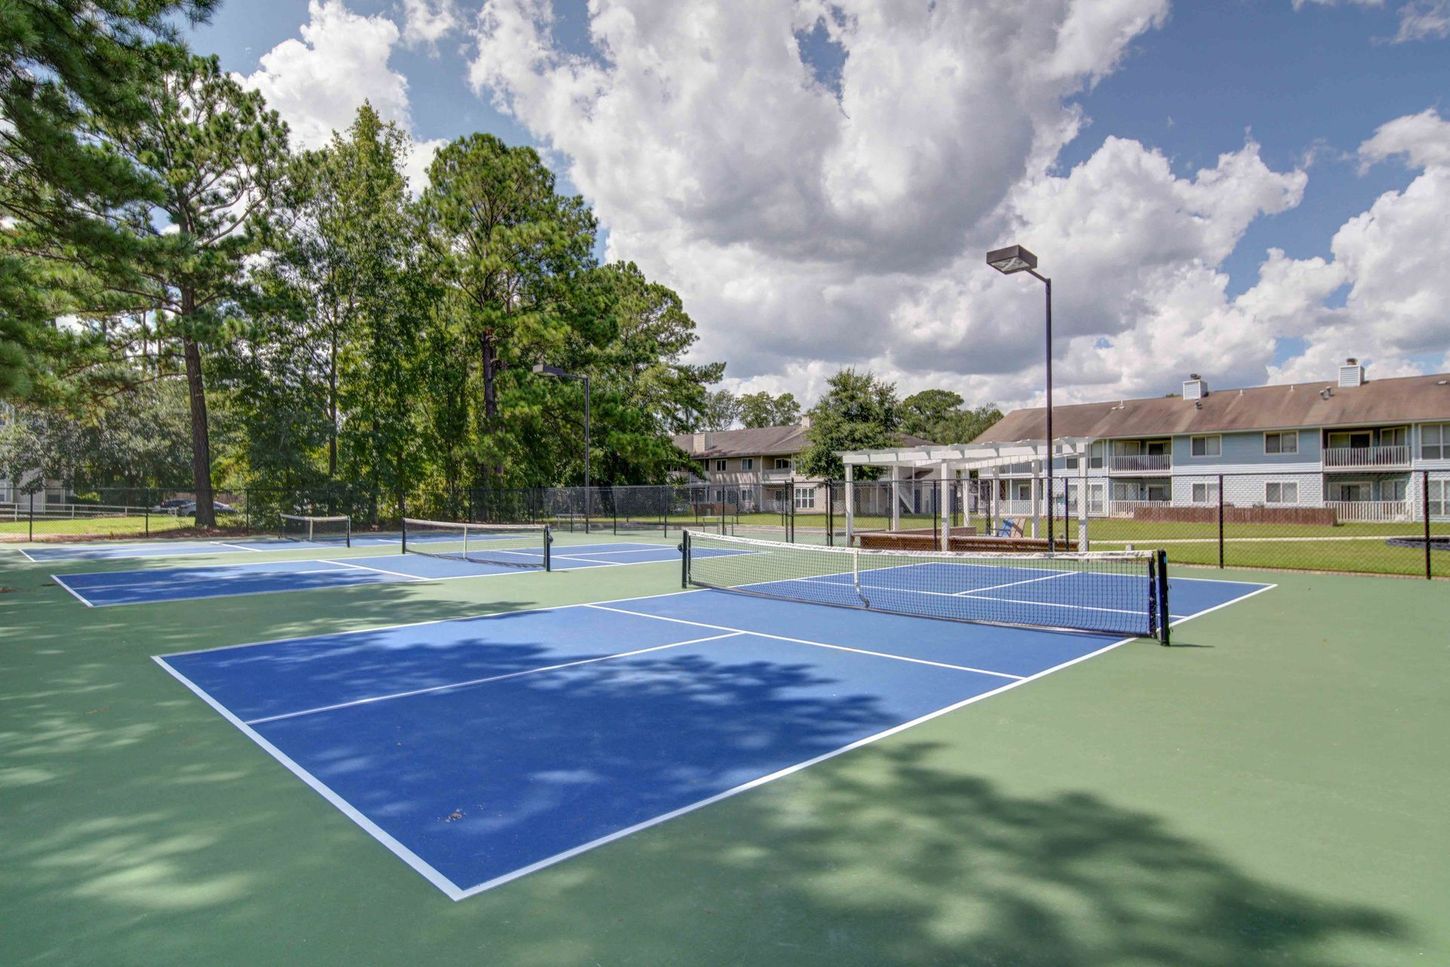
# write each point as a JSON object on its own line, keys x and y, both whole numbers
{"x": 762, "y": 409}
{"x": 938, "y": 415}
{"x": 858, "y": 412}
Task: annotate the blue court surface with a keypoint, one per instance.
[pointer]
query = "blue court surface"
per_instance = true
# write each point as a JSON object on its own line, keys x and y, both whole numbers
{"x": 100, "y": 589}
{"x": 480, "y": 749}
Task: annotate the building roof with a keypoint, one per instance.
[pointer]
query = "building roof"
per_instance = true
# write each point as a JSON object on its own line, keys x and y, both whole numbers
{"x": 763, "y": 441}
{"x": 1407, "y": 399}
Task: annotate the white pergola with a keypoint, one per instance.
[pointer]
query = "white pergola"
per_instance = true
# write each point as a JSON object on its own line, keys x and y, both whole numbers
{"x": 949, "y": 461}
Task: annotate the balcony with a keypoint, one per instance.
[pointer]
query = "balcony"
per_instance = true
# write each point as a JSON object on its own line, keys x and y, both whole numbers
{"x": 1371, "y": 511}
{"x": 1371, "y": 458}
{"x": 777, "y": 476}
{"x": 1140, "y": 463}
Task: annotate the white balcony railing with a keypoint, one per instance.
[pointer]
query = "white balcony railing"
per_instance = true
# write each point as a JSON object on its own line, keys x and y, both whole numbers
{"x": 1371, "y": 511}
{"x": 1140, "y": 462}
{"x": 1383, "y": 456}
{"x": 777, "y": 476}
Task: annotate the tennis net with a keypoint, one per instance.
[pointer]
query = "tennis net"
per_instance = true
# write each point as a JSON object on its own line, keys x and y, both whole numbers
{"x": 510, "y": 545}
{"x": 298, "y": 527}
{"x": 1112, "y": 592}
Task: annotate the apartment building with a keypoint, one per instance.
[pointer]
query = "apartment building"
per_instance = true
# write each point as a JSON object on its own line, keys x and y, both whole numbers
{"x": 1349, "y": 443}
{"x": 755, "y": 468}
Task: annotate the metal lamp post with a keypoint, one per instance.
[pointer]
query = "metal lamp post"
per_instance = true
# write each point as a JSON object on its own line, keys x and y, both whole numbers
{"x": 543, "y": 369}
{"x": 1015, "y": 258}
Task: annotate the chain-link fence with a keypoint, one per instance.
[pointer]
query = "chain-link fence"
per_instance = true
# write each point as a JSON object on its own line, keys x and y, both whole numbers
{"x": 1372, "y": 522}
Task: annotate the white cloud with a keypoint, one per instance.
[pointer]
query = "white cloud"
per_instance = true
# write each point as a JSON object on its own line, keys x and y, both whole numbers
{"x": 318, "y": 83}
{"x": 808, "y": 232}
{"x": 425, "y": 22}
{"x": 1424, "y": 20}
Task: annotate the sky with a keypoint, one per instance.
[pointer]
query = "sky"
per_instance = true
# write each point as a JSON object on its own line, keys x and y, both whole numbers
{"x": 1253, "y": 190}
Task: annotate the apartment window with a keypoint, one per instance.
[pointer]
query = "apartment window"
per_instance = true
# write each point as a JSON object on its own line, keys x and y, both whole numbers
{"x": 747, "y": 463}
{"x": 1281, "y": 492}
{"x": 1439, "y": 502}
{"x": 1205, "y": 493}
{"x": 805, "y": 498}
{"x": 1095, "y": 456}
{"x": 1024, "y": 490}
{"x": 1205, "y": 446}
{"x": 720, "y": 465}
{"x": 1281, "y": 442}
{"x": 1435, "y": 441}
{"x": 782, "y": 463}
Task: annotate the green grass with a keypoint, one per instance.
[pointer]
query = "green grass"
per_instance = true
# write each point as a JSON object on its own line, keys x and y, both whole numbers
{"x": 135, "y": 525}
{"x": 1272, "y": 792}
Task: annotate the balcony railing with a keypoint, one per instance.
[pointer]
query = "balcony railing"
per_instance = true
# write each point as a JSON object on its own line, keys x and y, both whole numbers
{"x": 1140, "y": 462}
{"x": 1383, "y": 456}
{"x": 777, "y": 476}
{"x": 1371, "y": 511}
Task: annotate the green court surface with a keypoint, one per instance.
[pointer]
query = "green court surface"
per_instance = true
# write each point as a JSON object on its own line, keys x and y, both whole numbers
{"x": 1271, "y": 791}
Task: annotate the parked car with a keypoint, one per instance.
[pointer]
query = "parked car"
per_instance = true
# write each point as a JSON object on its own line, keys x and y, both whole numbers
{"x": 186, "y": 507}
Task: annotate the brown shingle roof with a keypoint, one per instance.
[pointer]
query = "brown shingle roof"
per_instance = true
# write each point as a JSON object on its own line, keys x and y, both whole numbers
{"x": 761, "y": 441}
{"x": 1400, "y": 400}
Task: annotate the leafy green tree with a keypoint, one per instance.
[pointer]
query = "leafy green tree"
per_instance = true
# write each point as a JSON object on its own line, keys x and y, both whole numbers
{"x": 69, "y": 69}
{"x": 511, "y": 255}
{"x": 721, "y": 410}
{"x": 762, "y": 409}
{"x": 939, "y": 416}
{"x": 858, "y": 412}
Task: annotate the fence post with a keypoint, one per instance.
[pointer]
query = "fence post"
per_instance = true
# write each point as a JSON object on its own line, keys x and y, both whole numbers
{"x": 1220, "y": 521}
{"x": 1425, "y": 513}
{"x": 30, "y": 536}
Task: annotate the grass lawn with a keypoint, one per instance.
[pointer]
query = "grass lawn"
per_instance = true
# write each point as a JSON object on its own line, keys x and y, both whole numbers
{"x": 1271, "y": 792}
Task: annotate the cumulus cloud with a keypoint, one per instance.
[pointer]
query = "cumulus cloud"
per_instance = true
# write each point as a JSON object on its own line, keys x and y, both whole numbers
{"x": 809, "y": 228}
{"x": 425, "y": 22}
{"x": 318, "y": 82}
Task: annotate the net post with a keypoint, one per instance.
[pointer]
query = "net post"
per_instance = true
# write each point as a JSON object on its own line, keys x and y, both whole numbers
{"x": 347, "y": 531}
{"x": 685, "y": 560}
{"x": 548, "y": 552}
{"x": 666, "y": 530}
{"x": 403, "y": 524}
{"x": 30, "y": 519}
{"x": 1160, "y": 560}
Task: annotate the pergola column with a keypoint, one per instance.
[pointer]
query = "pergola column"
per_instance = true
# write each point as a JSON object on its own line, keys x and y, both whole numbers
{"x": 850, "y": 503}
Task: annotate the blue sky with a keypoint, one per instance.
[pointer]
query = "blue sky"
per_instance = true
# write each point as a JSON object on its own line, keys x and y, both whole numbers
{"x": 761, "y": 202}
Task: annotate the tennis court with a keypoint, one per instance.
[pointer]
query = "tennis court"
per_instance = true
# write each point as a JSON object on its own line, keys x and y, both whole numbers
{"x": 100, "y": 589}
{"x": 481, "y": 749}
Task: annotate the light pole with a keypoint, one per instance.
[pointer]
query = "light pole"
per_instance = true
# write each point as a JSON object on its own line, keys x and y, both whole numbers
{"x": 1015, "y": 258}
{"x": 543, "y": 369}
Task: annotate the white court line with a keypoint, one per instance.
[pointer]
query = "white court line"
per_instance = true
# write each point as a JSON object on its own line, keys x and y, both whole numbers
{"x": 239, "y": 547}
{"x": 371, "y": 828}
{"x": 1009, "y": 584}
{"x": 804, "y": 641}
{"x": 158, "y": 577}
{"x": 78, "y": 596}
{"x": 483, "y": 681}
{"x": 26, "y": 554}
{"x": 452, "y": 890}
{"x": 369, "y": 567}
{"x": 1243, "y": 597}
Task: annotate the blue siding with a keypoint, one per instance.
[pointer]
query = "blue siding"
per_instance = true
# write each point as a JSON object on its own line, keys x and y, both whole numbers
{"x": 1245, "y": 448}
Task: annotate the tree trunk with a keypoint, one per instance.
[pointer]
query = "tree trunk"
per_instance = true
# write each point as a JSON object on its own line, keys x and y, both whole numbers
{"x": 200, "y": 438}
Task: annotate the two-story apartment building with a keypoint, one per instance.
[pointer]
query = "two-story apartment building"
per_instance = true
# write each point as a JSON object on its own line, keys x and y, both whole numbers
{"x": 1351, "y": 444}
{"x": 755, "y": 468}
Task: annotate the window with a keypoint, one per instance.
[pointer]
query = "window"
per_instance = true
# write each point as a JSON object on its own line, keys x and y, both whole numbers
{"x": 1392, "y": 489}
{"x": 1439, "y": 502}
{"x": 721, "y": 464}
{"x": 1024, "y": 490}
{"x": 805, "y": 498}
{"x": 1095, "y": 456}
{"x": 1205, "y": 493}
{"x": 1435, "y": 441}
{"x": 1281, "y": 492}
{"x": 1205, "y": 446}
{"x": 747, "y": 463}
{"x": 782, "y": 463}
{"x": 1281, "y": 442}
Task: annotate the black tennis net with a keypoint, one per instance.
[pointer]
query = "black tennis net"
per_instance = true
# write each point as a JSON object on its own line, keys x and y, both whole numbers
{"x": 299, "y": 527}
{"x": 1112, "y": 592}
{"x": 510, "y": 545}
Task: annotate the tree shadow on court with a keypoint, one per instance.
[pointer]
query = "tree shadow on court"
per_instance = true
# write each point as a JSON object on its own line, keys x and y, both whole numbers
{"x": 143, "y": 828}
